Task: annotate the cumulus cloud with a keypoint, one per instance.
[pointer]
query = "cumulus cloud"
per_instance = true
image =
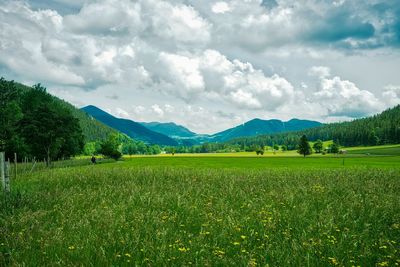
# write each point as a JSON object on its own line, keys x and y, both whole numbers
{"x": 220, "y": 7}
{"x": 342, "y": 97}
{"x": 391, "y": 95}
{"x": 234, "y": 81}
{"x": 202, "y": 54}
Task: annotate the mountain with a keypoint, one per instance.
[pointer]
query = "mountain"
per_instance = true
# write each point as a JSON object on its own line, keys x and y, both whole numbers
{"x": 259, "y": 127}
{"x": 92, "y": 129}
{"x": 131, "y": 128}
{"x": 170, "y": 129}
{"x": 379, "y": 129}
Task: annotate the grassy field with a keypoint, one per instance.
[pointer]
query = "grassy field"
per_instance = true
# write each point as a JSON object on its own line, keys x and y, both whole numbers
{"x": 206, "y": 211}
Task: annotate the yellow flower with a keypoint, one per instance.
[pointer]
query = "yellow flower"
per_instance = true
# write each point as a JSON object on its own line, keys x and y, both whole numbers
{"x": 183, "y": 249}
{"x": 128, "y": 255}
{"x": 383, "y": 263}
{"x": 243, "y": 237}
{"x": 236, "y": 243}
{"x": 71, "y": 247}
{"x": 333, "y": 261}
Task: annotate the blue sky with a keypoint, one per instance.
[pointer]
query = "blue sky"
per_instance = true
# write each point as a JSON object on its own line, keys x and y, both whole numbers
{"x": 208, "y": 65}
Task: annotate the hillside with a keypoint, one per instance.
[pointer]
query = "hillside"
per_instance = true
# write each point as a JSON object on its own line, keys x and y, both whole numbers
{"x": 383, "y": 128}
{"x": 169, "y": 129}
{"x": 258, "y": 127}
{"x": 131, "y": 128}
{"x": 92, "y": 129}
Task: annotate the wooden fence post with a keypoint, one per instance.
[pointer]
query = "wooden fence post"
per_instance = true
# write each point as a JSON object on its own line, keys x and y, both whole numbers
{"x": 2, "y": 171}
{"x": 7, "y": 177}
{"x": 15, "y": 163}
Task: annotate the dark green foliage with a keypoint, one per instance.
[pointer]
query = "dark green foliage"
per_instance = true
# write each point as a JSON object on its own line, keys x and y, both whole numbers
{"x": 334, "y": 148}
{"x": 318, "y": 145}
{"x": 380, "y": 129}
{"x": 109, "y": 148}
{"x": 35, "y": 125}
{"x": 304, "y": 147}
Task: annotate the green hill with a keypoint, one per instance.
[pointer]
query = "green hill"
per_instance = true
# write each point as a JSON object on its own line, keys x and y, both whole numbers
{"x": 380, "y": 129}
{"x": 92, "y": 129}
{"x": 129, "y": 127}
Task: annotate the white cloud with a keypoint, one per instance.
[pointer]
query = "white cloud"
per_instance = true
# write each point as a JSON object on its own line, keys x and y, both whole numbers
{"x": 343, "y": 98}
{"x": 220, "y": 7}
{"x": 246, "y": 58}
{"x": 158, "y": 110}
{"x": 120, "y": 113}
{"x": 320, "y": 71}
{"x": 391, "y": 95}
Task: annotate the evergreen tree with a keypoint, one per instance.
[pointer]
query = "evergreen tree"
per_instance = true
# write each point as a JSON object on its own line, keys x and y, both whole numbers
{"x": 304, "y": 146}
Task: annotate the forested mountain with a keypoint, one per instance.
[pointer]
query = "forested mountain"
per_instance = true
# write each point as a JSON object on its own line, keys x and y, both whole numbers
{"x": 170, "y": 129}
{"x": 92, "y": 129}
{"x": 383, "y": 128}
{"x": 258, "y": 127}
{"x": 129, "y": 127}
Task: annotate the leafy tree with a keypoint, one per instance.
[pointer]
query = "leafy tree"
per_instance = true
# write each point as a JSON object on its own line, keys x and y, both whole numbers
{"x": 49, "y": 129}
{"x": 276, "y": 147}
{"x": 284, "y": 148}
{"x": 304, "y": 146}
{"x": 334, "y": 148}
{"x": 110, "y": 147}
{"x": 318, "y": 145}
{"x": 10, "y": 115}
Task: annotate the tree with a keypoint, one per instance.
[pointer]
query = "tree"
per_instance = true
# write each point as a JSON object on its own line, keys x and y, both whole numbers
{"x": 10, "y": 115}
{"x": 334, "y": 148}
{"x": 304, "y": 147}
{"x": 276, "y": 147}
{"x": 284, "y": 148}
{"x": 109, "y": 148}
{"x": 49, "y": 129}
{"x": 318, "y": 145}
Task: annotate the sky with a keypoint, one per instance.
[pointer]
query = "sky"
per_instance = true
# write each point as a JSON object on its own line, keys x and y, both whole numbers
{"x": 208, "y": 65}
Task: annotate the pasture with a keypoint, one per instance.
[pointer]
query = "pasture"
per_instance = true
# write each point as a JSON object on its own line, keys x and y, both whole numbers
{"x": 206, "y": 211}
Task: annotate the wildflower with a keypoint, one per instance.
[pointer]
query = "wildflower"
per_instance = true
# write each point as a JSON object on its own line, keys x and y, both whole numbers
{"x": 243, "y": 237}
{"x": 252, "y": 262}
{"x": 118, "y": 255}
{"x": 183, "y": 249}
{"x": 128, "y": 255}
{"x": 236, "y": 243}
{"x": 333, "y": 261}
{"x": 383, "y": 264}
{"x": 71, "y": 247}
{"x": 383, "y": 247}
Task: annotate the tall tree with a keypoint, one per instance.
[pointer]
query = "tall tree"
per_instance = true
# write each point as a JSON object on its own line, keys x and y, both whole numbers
{"x": 49, "y": 129}
{"x": 304, "y": 146}
{"x": 10, "y": 115}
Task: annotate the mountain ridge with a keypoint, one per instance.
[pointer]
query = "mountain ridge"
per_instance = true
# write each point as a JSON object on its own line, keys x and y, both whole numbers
{"x": 129, "y": 127}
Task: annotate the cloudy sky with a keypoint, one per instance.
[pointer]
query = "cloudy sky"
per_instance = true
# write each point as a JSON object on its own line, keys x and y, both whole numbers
{"x": 208, "y": 65}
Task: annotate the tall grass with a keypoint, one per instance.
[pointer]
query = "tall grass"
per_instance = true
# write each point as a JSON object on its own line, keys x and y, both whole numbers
{"x": 165, "y": 216}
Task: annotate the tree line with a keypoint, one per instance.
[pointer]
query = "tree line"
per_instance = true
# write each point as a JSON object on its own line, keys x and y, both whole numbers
{"x": 380, "y": 129}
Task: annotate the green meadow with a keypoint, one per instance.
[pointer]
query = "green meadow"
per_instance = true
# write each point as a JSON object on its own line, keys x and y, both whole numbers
{"x": 209, "y": 210}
